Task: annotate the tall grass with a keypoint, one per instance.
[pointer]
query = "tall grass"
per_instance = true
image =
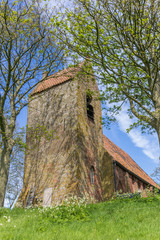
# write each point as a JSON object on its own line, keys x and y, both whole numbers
{"x": 122, "y": 219}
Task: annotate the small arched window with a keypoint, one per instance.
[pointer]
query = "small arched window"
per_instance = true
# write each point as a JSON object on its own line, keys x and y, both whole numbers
{"x": 92, "y": 175}
{"x": 90, "y": 110}
{"x": 133, "y": 179}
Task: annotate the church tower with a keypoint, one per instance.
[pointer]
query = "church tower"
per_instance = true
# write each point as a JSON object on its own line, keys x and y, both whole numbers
{"x": 64, "y": 139}
{"x": 67, "y": 153}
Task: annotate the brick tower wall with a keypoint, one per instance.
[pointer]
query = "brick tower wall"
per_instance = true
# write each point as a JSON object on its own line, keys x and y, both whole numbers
{"x": 89, "y": 140}
{"x": 50, "y": 139}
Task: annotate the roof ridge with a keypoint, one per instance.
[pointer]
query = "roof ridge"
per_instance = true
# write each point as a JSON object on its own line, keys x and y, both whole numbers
{"x": 57, "y": 78}
{"x": 69, "y": 68}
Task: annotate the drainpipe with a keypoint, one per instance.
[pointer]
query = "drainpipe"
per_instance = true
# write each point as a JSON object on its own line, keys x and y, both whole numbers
{"x": 114, "y": 172}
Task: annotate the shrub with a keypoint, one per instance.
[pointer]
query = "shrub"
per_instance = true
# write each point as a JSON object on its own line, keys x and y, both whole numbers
{"x": 73, "y": 209}
{"x": 126, "y": 196}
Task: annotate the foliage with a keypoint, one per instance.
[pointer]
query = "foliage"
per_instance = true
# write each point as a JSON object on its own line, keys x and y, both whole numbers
{"x": 127, "y": 196}
{"x": 73, "y": 209}
{"x": 121, "y": 39}
{"x": 40, "y": 131}
{"x": 146, "y": 195}
{"x": 156, "y": 174}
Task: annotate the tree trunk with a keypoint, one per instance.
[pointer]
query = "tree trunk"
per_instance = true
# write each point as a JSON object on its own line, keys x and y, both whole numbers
{"x": 4, "y": 172}
{"x": 158, "y": 132}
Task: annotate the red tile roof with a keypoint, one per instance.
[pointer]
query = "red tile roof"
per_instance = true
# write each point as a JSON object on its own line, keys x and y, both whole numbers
{"x": 126, "y": 161}
{"x": 57, "y": 78}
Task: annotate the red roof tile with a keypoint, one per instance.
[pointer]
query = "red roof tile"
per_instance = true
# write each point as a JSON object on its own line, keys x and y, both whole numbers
{"x": 126, "y": 161}
{"x": 57, "y": 78}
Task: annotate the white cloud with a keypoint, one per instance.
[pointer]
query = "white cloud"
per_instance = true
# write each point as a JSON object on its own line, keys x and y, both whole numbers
{"x": 123, "y": 120}
{"x": 149, "y": 154}
{"x": 148, "y": 143}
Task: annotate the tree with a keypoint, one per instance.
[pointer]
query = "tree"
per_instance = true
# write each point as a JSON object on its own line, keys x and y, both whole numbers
{"x": 15, "y": 179}
{"x": 156, "y": 175}
{"x": 122, "y": 40}
{"x": 26, "y": 50}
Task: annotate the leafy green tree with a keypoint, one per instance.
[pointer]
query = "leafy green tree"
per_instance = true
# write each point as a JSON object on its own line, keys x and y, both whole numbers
{"x": 122, "y": 40}
{"x": 26, "y": 50}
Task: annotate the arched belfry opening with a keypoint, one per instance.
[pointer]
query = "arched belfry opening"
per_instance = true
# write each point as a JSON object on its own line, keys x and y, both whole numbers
{"x": 90, "y": 110}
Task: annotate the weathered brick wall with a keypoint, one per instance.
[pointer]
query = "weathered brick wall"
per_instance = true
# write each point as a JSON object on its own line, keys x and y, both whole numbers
{"x": 126, "y": 182}
{"x": 107, "y": 175}
{"x": 49, "y": 163}
{"x": 89, "y": 139}
{"x": 121, "y": 180}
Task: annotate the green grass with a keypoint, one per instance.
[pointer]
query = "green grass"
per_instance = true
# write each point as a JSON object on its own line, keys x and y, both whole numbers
{"x": 118, "y": 219}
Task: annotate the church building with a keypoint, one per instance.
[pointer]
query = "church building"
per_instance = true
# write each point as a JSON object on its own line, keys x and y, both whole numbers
{"x": 67, "y": 153}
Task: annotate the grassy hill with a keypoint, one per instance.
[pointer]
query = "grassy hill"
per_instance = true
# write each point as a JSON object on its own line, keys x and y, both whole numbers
{"x": 130, "y": 219}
